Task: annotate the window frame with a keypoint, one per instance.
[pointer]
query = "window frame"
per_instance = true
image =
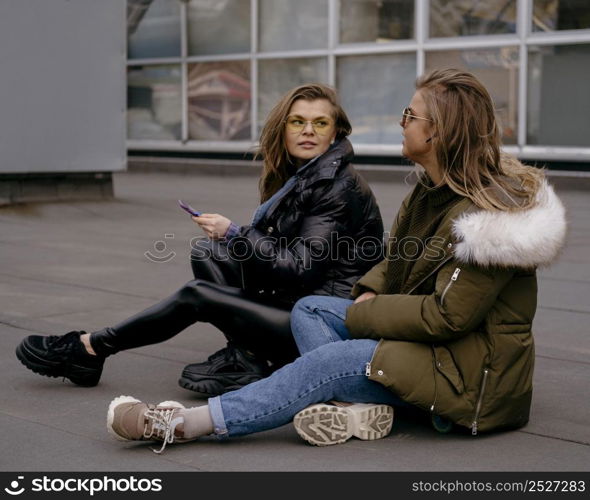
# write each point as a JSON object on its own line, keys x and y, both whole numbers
{"x": 420, "y": 45}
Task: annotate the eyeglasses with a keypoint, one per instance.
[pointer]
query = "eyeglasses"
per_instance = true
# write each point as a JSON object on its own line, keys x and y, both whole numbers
{"x": 321, "y": 126}
{"x": 407, "y": 115}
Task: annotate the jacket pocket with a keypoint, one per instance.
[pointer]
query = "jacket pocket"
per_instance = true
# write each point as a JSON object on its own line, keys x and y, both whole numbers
{"x": 445, "y": 365}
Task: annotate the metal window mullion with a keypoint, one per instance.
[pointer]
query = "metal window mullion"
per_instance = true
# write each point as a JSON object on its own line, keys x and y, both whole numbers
{"x": 543, "y": 153}
{"x": 524, "y": 19}
{"x": 374, "y": 49}
{"x": 556, "y": 153}
{"x": 194, "y": 145}
{"x": 243, "y": 56}
{"x": 184, "y": 70}
{"x": 292, "y": 54}
{"x": 421, "y": 33}
{"x": 471, "y": 42}
{"x": 559, "y": 38}
{"x": 332, "y": 69}
{"x": 157, "y": 61}
{"x": 253, "y": 70}
{"x": 333, "y": 38}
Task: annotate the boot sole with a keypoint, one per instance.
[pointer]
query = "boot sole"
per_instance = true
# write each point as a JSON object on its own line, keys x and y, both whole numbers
{"x": 210, "y": 388}
{"x": 325, "y": 425}
{"x": 31, "y": 361}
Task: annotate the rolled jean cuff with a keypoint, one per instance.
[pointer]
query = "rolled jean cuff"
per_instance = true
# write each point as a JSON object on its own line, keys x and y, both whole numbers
{"x": 216, "y": 411}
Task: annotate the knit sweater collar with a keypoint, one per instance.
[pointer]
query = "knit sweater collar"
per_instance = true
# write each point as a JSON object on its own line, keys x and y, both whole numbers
{"x": 437, "y": 195}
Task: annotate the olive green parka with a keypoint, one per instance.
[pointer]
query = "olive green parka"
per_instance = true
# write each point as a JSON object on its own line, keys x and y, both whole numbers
{"x": 457, "y": 340}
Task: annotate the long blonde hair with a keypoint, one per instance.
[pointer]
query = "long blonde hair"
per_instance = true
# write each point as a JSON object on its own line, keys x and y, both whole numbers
{"x": 272, "y": 147}
{"x": 466, "y": 138}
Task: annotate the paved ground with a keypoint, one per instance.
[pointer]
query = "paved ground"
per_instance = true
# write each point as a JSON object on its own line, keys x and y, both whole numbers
{"x": 82, "y": 266}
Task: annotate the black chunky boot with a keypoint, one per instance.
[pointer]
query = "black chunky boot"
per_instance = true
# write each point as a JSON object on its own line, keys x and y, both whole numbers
{"x": 227, "y": 370}
{"x": 61, "y": 356}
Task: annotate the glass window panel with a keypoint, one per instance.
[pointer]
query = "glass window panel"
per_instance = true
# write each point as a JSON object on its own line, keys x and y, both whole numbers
{"x": 290, "y": 25}
{"x": 373, "y": 91}
{"x": 218, "y": 26}
{"x": 498, "y": 70}
{"x": 277, "y": 76}
{"x": 471, "y": 17}
{"x": 219, "y": 95}
{"x": 558, "y": 96}
{"x": 552, "y": 15}
{"x": 154, "y": 102}
{"x": 376, "y": 20}
{"x": 153, "y": 28}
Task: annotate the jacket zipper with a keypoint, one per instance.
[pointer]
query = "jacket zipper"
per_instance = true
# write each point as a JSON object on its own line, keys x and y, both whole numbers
{"x": 434, "y": 361}
{"x": 368, "y": 365}
{"x": 451, "y": 281}
{"x": 479, "y": 402}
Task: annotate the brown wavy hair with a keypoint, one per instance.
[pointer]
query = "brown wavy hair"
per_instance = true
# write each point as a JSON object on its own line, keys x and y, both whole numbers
{"x": 466, "y": 138}
{"x": 272, "y": 146}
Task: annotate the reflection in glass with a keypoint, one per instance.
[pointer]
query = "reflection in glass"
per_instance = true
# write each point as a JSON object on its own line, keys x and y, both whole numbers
{"x": 498, "y": 71}
{"x": 551, "y": 15}
{"x": 469, "y": 17}
{"x": 153, "y": 28}
{"x": 290, "y": 25}
{"x": 373, "y": 91}
{"x": 376, "y": 20}
{"x": 277, "y": 76}
{"x": 219, "y": 101}
{"x": 558, "y": 96}
{"x": 218, "y": 26}
{"x": 154, "y": 103}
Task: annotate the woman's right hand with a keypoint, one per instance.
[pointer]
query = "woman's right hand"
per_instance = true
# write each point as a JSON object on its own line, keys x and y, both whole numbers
{"x": 214, "y": 225}
{"x": 365, "y": 296}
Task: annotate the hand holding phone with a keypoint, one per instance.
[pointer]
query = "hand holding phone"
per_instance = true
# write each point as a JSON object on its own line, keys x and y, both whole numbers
{"x": 187, "y": 208}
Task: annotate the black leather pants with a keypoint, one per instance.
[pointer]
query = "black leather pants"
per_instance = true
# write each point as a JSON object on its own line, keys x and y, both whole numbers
{"x": 215, "y": 296}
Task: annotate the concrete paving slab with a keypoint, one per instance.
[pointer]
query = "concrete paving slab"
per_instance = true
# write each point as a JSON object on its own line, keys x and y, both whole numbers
{"x": 562, "y": 334}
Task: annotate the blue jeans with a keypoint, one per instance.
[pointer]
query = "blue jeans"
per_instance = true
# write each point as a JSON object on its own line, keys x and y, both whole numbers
{"x": 331, "y": 367}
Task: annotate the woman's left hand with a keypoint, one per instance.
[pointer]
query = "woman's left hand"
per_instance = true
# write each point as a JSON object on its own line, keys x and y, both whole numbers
{"x": 214, "y": 225}
{"x": 365, "y": 296}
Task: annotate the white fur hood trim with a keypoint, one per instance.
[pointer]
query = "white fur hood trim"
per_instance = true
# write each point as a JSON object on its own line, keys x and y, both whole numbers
{"x": 527, "y": 238}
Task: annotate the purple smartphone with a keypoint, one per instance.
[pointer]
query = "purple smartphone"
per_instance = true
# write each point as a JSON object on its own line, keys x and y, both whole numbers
{"x": 187, "y": 208}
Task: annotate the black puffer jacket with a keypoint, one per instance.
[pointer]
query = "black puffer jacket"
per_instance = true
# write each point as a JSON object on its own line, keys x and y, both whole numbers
{"x": 319, "y": 238}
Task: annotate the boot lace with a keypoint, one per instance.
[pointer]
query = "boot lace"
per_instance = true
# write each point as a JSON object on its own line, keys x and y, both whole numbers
{"x": 63, "y": 342}
{"x": 229, "y": 354}
{"x": 64, "y": 345}
{"x": 160, "y": 425}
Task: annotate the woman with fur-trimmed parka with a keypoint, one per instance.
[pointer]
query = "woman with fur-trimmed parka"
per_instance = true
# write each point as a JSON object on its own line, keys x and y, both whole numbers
{"x": 443, "y": 323}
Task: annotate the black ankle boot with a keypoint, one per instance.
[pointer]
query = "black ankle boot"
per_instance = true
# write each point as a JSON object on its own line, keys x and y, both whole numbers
{"x": 226, "y": 370}
{"x": 61, "y": 356}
